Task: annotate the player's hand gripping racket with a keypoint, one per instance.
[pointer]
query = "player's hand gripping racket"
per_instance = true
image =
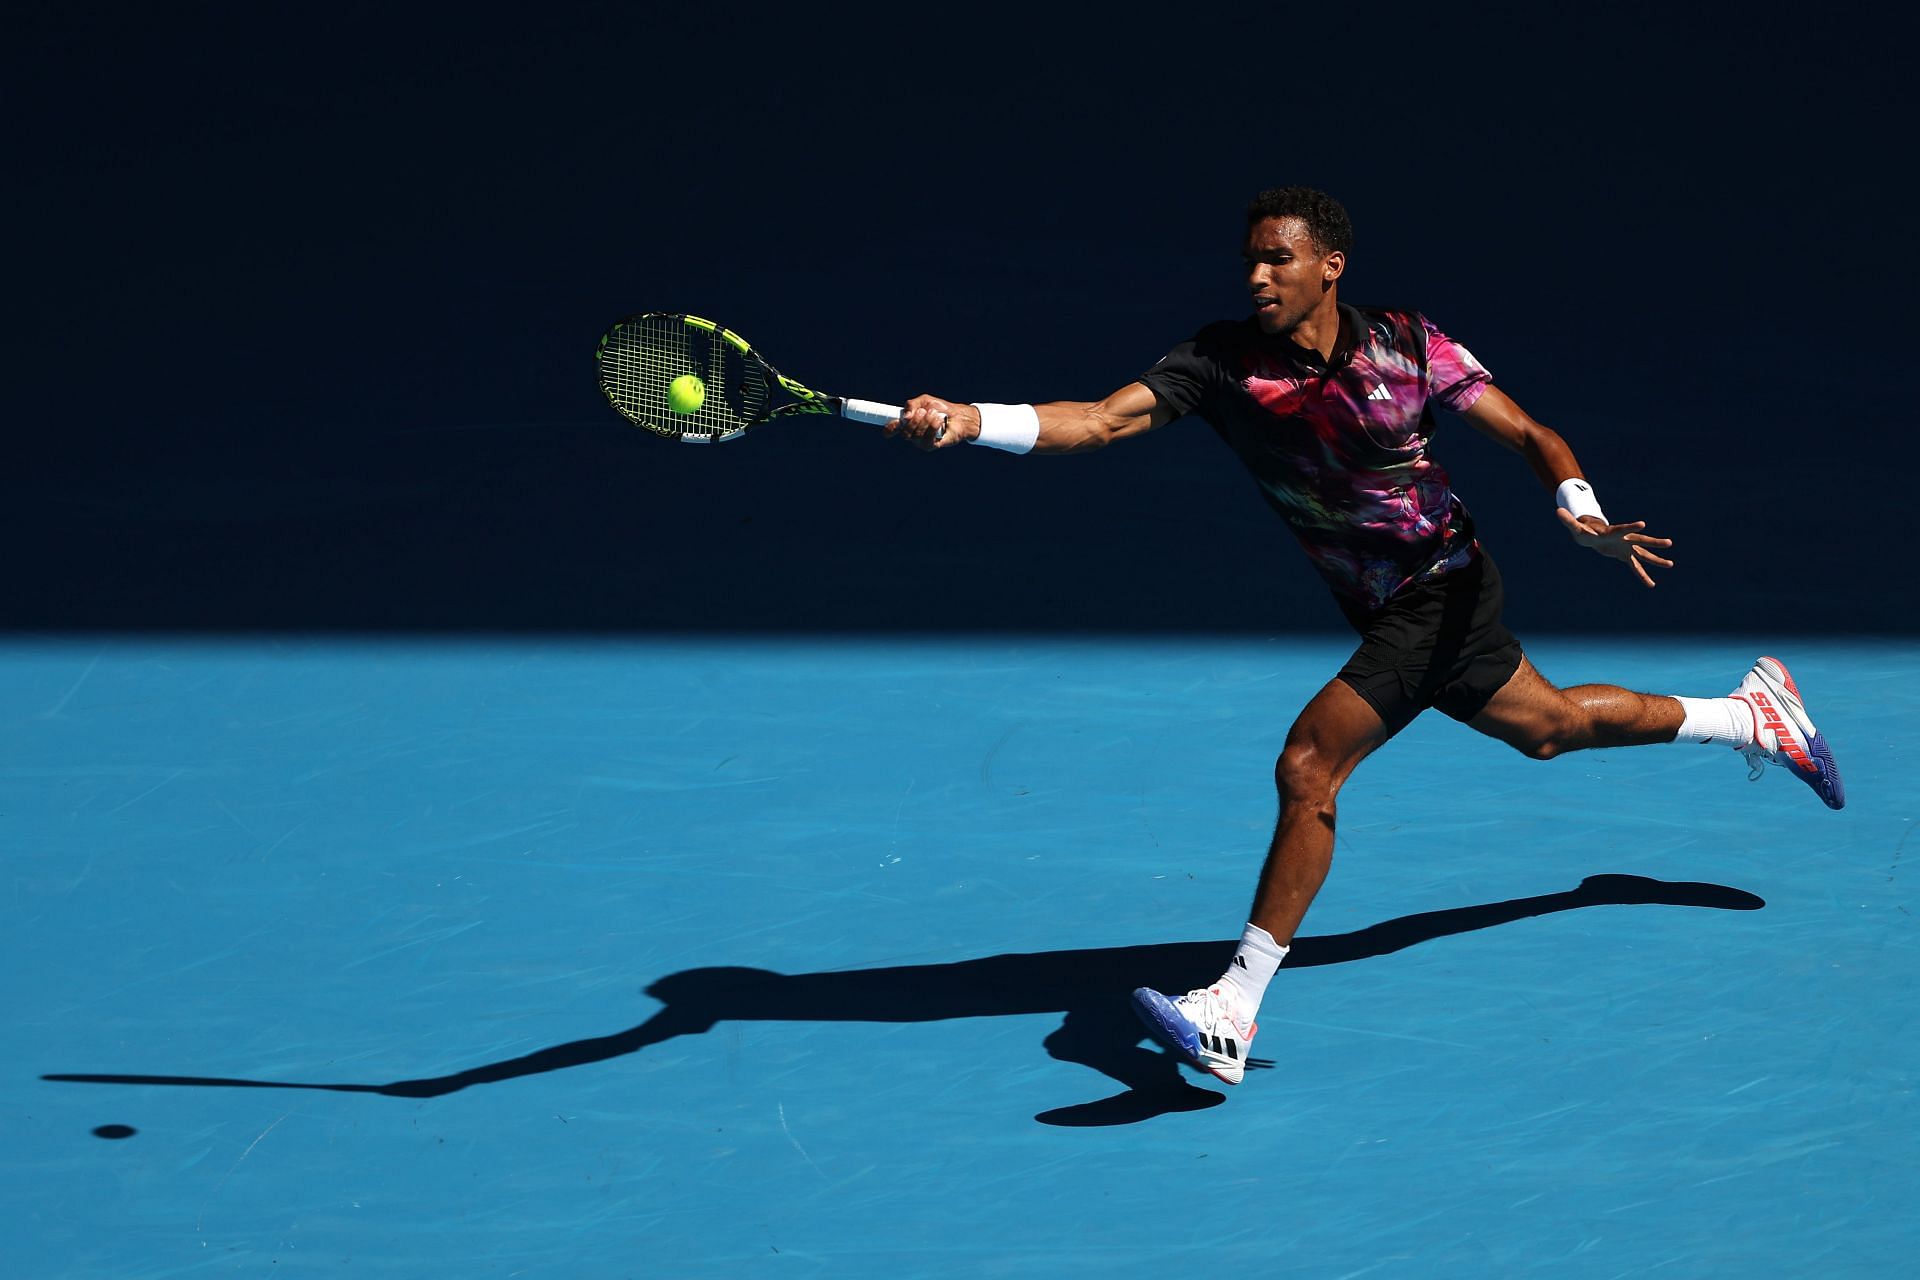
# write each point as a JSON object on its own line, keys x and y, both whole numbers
{"x": 690, "y": 379}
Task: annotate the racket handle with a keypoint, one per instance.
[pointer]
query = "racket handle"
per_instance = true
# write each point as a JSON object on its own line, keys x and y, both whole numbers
{"x": 878, "y": 414}
{"x": 869, "y": 411}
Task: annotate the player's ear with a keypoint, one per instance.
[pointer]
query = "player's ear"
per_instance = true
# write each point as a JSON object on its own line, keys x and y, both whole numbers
{"x": 1332, "y": 265}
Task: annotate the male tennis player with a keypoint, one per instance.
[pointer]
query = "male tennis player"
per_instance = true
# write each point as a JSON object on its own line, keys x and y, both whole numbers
{"x": 1330, "y": 406}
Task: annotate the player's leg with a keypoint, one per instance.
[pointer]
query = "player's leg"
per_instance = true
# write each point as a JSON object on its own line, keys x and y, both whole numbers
{"x": 1764, "y": 719}
{"x": 1212, "y": 1026}
{"x": 1336, "y": 731}
{"x": 1540, "y": 720}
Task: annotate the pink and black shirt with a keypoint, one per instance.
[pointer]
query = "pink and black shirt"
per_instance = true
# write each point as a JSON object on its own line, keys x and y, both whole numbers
{"x": 1339, "y": 447}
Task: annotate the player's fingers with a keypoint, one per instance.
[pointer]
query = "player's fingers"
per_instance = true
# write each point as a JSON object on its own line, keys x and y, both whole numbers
{"x": 916, "y": 422}
{"x": 934, "y": 413}
{"x": 1644, "y": 554}
{"x": 1642, "y": 571}
{"x": 924, "y": 423}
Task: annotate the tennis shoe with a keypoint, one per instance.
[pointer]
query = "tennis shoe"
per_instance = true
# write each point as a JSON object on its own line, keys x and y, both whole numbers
{"x": 1783, "y": 733}
{"x": 1202, "y": 1027}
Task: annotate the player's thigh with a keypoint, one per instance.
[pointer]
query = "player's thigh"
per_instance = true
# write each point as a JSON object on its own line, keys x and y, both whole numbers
{"x": 1333, "y": 734}
{"x": 1528, "y": 712}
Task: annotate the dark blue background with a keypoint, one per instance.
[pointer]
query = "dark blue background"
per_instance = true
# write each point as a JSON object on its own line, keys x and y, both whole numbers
{"x": 303, "y": 305}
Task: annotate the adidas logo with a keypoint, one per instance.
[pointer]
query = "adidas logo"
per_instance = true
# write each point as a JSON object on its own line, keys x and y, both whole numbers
{"x": 1380, "y": 393}
{"x": 1225, "y": 1046}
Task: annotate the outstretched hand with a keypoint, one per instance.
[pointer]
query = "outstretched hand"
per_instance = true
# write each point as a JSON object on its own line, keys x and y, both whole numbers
{"x": 929, "y": 422}
{"x": 1618, "y": 541}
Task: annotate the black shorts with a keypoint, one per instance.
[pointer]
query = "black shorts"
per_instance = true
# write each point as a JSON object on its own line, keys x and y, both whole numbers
{"x": 1436, "y": 644}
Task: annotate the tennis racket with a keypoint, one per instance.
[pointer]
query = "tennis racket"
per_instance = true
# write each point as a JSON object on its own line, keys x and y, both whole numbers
{"x": 690, "y": 379}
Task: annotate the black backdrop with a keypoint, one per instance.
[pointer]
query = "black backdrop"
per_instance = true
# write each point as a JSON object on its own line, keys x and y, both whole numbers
{"x": 303, "y": 304}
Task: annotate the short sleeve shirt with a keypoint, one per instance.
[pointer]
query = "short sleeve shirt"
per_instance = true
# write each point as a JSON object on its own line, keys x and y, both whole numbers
{"x": 1339, "y": 447}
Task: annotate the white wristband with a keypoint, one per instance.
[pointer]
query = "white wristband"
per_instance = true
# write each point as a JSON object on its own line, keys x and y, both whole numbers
{"x": 1577, "y": 496}
{"x": 1013, "y": 427}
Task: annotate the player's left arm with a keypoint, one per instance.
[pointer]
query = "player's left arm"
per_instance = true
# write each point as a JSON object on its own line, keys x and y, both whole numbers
{"x": 1497, "y": 417}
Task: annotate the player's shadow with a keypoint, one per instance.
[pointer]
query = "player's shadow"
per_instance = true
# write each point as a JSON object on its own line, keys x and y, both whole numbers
{"x": 1088, "y": 985}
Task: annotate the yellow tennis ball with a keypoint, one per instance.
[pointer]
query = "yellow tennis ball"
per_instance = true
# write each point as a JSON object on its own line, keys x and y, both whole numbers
{"x": 686, "y": 393}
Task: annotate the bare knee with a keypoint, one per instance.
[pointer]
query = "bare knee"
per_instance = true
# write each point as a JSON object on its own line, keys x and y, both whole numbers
{"x": 1334, "y": 733}
{"x": 1537, "y": 719}
{"x": 1541, "y": 729}
{"x": 1551, "y": 736}
{"x": 1540, "y": 748}
{"x": 1306, "y": 779}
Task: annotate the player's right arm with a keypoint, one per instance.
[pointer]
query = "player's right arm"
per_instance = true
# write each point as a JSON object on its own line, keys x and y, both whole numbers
{"x": 1066, "y": 426}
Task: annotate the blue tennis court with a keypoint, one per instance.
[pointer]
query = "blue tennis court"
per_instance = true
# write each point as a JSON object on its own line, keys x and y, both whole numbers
{"x": 810, "y": 957}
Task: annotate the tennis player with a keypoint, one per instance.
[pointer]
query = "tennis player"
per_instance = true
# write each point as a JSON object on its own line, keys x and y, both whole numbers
{"x": 1331, "y": 407}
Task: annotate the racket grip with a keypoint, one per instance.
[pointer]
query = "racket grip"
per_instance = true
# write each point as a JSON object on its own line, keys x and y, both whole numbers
{"x": 869, "y": 411}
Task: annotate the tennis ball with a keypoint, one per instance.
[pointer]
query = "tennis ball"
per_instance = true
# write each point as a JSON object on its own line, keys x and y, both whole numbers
{"x": 686, "y": 393}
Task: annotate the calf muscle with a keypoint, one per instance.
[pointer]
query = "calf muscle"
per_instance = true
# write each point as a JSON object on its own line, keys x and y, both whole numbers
{"x": 1542, "y": 721}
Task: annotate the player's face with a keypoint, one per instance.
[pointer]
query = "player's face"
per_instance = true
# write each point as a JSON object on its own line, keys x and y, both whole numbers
{"x": 1286, "y": 274}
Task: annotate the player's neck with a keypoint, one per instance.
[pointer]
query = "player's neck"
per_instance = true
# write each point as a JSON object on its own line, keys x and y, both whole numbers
{"x": 1320, "y": 331}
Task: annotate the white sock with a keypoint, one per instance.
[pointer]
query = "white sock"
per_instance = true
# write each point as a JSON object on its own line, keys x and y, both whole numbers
{"x": 1253, "y": 967}
{"x": 1727, "y": 720}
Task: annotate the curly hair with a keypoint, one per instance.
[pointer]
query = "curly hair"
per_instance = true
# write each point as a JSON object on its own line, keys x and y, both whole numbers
{"x": 1326, "y": 219}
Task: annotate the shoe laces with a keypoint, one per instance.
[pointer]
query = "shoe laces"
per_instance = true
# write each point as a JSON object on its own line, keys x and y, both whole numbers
{"x": 1757, "y": 756}
{"x": 1212, "y": 1005}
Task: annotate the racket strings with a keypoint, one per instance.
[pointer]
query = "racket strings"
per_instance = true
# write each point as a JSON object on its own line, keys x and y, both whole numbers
{"x": 640, "y": 358}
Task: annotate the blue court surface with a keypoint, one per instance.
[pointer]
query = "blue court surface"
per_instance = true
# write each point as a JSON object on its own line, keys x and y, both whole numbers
{"x": 810, "y": 957}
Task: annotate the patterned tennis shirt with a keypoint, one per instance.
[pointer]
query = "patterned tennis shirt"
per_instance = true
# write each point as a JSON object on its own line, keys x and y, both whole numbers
{"x": 1339, "y": 447}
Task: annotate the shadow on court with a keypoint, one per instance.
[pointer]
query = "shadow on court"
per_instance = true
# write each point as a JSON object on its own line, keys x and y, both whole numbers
{"x": 1087, "y": 985}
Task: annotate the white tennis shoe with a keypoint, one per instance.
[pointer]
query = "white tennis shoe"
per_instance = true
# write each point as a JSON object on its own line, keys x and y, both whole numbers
{"x": 1202, "y": 1026}
{"x": 1783, "y": 733}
